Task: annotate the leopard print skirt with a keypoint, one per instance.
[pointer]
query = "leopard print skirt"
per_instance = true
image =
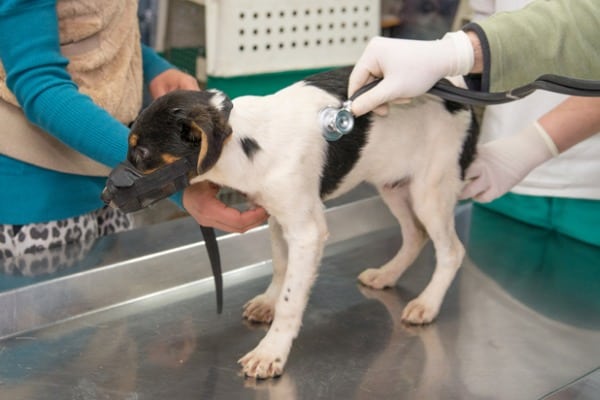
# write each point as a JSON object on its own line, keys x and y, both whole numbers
{"x": 41, "y": 248}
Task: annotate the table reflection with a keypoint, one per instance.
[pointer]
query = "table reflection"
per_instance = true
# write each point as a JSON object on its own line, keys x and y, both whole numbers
{"x": 553, "y": 274}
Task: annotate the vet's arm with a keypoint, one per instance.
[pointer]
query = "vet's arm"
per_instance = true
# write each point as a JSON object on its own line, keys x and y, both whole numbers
{"x": 200, "y": 200}
{"x": 572, "y": 121}
{"x": 503, "y": 163}
{"x": 499, "y": 53}
{"x": 545, "y": 37}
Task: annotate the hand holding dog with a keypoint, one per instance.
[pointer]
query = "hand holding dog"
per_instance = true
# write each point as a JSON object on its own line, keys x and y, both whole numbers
{"x": 502, "y": 163}
{"x": 172, "y": 79}
{"x": 409, "y": 68}
{"x": 200, "y": 200}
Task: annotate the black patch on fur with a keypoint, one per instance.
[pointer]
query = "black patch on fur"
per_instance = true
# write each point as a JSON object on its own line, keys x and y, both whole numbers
{"x": 334, "y": 82}
{"x": 250, "y": 147}
{"x": 342, "y": 154}
{"x": 454, "y": 107}
{"x": 469, "y": 149}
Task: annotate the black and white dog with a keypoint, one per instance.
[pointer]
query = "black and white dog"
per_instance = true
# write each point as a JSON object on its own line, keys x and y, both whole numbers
{"x": 272, "y": 149}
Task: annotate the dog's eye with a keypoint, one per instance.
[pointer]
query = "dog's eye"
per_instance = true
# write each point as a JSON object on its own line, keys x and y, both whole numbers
{"x": 184, "y": 131}
{"x": 183, "y": 123}
{"x": 178, "y": 112}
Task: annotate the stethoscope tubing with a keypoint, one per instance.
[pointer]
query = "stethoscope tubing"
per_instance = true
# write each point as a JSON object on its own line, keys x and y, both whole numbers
{"x": 550, "y": 83}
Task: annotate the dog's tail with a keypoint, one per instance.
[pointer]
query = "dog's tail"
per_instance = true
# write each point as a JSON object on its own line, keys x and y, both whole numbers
{"x": 469, "y": 149}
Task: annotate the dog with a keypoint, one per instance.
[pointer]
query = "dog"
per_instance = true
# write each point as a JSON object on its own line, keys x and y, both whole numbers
{"x": 272, "y": 149}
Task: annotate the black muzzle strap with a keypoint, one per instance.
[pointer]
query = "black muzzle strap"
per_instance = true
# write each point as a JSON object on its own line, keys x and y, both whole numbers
{"x": 130, "y": 190}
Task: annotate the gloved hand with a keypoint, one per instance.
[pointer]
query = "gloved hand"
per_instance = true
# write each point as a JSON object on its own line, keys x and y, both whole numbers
{"x": 409, "y": 68}
{"x": 502, "y": 163}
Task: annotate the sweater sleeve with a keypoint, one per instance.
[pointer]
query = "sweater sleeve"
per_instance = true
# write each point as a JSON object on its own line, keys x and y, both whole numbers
{"x": 37, "y": 75}
{"x": 546, "y": 37}
{"x": 153, "y": 64}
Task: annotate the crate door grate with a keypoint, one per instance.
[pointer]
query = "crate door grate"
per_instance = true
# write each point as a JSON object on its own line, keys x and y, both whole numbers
{"x": 252, "y": 37}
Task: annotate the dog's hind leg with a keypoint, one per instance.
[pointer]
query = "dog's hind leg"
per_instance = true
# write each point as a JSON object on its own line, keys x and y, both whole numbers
{"x": 433, "y": 202}
{"x": 261, "y": 308}
{"x": 305, "y": 230}
{"x": 414, "y": 238}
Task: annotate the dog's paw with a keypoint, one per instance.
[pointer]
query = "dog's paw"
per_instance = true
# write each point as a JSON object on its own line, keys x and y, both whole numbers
{"x": 260, "y": 309}
{"x": 262, "y": 364}
{"x": 376, "y": 278}
{"x": 419, "y": 312}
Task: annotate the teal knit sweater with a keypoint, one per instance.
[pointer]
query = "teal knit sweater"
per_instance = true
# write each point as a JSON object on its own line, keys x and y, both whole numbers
{"x": 37, "y": 75}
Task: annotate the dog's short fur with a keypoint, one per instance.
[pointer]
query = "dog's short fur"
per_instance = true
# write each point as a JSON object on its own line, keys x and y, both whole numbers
{"x": 272, "y": 149}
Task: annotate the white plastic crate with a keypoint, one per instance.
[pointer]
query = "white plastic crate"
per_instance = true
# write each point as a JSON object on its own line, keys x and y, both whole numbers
{"x": 245, "y": 37}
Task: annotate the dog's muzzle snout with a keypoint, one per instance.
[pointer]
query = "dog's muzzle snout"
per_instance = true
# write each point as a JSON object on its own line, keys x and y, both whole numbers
{"x": 130, "y": 190}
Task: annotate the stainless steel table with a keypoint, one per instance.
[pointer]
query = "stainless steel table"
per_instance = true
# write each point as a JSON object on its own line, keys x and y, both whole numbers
{"x": 137, "y": 320}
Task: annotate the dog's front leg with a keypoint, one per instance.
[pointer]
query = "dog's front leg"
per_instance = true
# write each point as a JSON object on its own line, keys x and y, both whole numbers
{"x": 262, "y": 307}
{"x": 305, "y": 235}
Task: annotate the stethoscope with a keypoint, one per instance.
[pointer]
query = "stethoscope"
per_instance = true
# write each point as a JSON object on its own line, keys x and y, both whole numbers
{"x": 337, "y": 122}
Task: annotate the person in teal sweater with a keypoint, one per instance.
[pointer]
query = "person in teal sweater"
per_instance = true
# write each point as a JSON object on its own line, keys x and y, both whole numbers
{"x": 75, "y": 71}
{"x": 497, "y": 54}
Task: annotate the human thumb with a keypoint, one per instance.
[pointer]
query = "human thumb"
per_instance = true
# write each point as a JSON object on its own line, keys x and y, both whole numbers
{"x": 370, "y": 100}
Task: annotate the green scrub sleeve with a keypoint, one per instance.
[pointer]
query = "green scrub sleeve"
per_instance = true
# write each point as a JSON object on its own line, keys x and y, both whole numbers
{"x": 546, "y": 37}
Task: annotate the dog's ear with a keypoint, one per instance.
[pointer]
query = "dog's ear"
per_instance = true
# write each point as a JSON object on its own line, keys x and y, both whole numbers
{"x": 214, "y": 136}
{"x": 211, "y": 126}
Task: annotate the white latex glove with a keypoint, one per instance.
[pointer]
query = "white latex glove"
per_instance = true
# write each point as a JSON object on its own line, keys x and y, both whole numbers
{"x": 409, "y": 68}
{"x": 502, "y": 163}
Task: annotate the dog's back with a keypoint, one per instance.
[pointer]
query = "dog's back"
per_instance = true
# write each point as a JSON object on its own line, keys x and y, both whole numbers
{"x": 425, "y": 135}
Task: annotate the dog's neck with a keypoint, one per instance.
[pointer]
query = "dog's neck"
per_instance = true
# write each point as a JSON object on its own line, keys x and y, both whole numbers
{"x": 247, "y": 120}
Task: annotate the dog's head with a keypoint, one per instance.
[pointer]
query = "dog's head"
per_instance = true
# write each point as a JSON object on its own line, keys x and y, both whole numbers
{"x": 180, "y": 124}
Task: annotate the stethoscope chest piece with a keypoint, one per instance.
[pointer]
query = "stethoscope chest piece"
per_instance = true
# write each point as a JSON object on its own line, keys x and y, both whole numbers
{"x": 336, "y": 122}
